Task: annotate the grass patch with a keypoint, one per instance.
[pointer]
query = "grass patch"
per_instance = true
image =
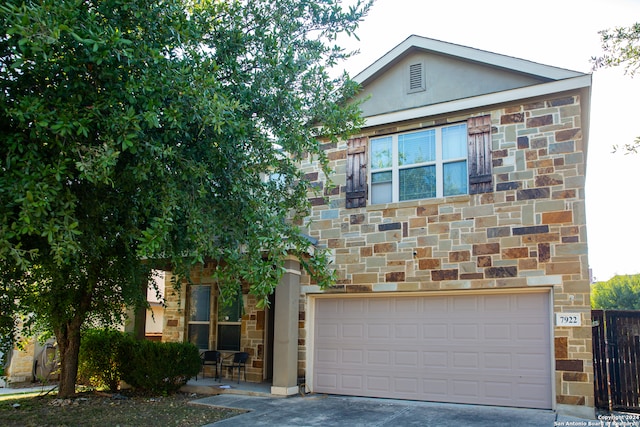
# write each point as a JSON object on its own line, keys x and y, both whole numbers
{"x": 95, "y": 408}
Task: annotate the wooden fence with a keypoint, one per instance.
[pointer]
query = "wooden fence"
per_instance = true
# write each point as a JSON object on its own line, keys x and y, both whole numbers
{"x": 616, "y": 359}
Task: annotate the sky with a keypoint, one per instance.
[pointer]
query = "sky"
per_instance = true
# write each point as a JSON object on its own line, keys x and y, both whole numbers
{"x": 560, "y": 33}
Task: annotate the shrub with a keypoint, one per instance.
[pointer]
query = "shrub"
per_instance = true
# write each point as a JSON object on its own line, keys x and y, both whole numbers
{"x": 98, "y": 363}
{"x": 158, "y": 367}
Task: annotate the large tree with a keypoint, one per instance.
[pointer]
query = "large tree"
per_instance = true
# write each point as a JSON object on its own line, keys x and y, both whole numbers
{"x": 138, "y": 133}
{"x": 621, "y": 48}
{"x": 617, "y": 293}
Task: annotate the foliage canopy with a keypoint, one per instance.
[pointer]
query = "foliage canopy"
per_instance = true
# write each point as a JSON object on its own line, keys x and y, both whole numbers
{"x": 137, "y": 134}
{"x": 621, "y": 47}
{"x": 617, "y": 293}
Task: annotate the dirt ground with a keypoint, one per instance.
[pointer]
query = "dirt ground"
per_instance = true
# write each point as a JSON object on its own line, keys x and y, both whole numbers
{"x": 120, "y": 409}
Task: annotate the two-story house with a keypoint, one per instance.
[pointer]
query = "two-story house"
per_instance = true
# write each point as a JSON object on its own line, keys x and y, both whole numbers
{"x": 457, "y": 225}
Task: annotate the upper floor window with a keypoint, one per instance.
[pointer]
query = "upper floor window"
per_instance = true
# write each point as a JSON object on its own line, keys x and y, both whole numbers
{"x": 419, "y": 165}
{"x": 436, "y": 162}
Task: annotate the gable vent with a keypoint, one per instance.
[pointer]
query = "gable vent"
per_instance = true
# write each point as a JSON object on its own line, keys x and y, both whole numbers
{"x": 416, "y": 78}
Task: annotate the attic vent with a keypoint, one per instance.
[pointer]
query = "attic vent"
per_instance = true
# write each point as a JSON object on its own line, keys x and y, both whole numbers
{"x": 416, "y": 78}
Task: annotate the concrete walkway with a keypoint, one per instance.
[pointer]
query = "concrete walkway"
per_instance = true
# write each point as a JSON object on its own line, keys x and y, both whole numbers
{"x": 329, "y": 410}
{"x": 6, "y": 391}
{"x": 323, "y": 410}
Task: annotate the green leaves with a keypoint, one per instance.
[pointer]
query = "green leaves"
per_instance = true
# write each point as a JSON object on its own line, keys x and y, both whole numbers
{"x": 140, "y": 134}
{"x": 618, "y": 293}
{"x": 621, "y": 47}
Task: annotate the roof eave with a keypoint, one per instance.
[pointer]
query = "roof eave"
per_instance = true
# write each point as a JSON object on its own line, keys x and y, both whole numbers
{"x": 583, "y": 81}
{"x": 466, "y": 53}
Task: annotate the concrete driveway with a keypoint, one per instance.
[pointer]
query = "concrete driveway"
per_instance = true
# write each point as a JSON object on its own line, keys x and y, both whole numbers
{"x": 323, "y": 410}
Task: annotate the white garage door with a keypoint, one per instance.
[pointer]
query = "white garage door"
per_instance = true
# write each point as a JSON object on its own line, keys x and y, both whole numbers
{"x": 491, "y": 349}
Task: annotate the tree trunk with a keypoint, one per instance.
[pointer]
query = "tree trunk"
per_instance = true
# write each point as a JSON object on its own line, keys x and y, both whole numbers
{"x": 69, "y": 346}
{"x": 140, "y": 317}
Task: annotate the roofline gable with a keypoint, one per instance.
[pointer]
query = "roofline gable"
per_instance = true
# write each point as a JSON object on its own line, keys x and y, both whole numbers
{"x": 462, "y": 52}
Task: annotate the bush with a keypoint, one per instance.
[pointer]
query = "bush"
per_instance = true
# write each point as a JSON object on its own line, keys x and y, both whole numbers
{"x": 158, "y": 367}
{"x": 107, "y": 356}
{"x": 99, "y": 363}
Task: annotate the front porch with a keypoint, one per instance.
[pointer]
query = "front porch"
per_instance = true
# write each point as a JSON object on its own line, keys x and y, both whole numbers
{"x": 269, "y": 335}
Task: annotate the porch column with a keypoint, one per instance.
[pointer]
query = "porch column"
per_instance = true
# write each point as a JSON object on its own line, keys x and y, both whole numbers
{"x": 285, "y": 338}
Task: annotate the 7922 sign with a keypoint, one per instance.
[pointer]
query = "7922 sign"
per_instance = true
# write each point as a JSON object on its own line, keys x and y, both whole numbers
{"x": 568, "y": 319}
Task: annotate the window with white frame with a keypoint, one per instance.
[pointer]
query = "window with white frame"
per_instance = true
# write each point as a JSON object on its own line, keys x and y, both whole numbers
{"x": 419, "y": 165}
{"x": 230, "y": 322}
{"x": 437, "y": 162}
{"x": 199, "y": 315}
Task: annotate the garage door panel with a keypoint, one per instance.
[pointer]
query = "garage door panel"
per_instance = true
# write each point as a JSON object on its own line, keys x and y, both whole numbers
{"x": 497, "y": 333}
{"x": 406, "y": 306}
{"x": 435, "y": 305}
{"x": 499, "y": 303}
{"x": 464, "y": 349}
{"x": 465, "y": 331}
{"x": 532, "y": 305}
{"x": 462, "y": 359}
{"x": 354, "y": 305}
{"x": 465, "y": 389}
{"x": 532, "y": 364}
{"x": 465, "y": 305}
{"x": 351, "y": 382}
{"x": 435, "y": 331}
{"x": 378, "y": 358}
{"x": 406, "y": 331}
{"x": 405, "y": 385}
{"x": 327, "y": 330}
{"x": 498, "y": 389}
{"x": 352, "y": 330}
{"x": 378, "y": 331}
{"x": 327, "y": 381}
{"x": 379, "y": 383}
{"x": 328, "y": 307}
{"x": 327, "y": 356}
{"x": 352, "y": 356}
{"x": 498, "y": 361}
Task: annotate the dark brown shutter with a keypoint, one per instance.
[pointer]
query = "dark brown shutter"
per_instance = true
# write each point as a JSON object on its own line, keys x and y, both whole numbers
{"x": 479, "y": 136}
{"x": 356, "y": 173}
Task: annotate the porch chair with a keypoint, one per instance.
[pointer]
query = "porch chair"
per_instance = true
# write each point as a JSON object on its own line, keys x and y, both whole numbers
{"x": 239, "y": 362}
{"x": 208, "y": 358}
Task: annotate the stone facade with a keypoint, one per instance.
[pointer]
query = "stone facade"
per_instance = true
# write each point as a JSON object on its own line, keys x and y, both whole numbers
{"x": 253, "y": 321}
{"x": 524, "y": 231}
{"x": 20, "y": 369}
{"x": 529, "y": 232}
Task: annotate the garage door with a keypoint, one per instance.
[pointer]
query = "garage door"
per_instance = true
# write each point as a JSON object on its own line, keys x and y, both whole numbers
{"x": 491, "y": 349}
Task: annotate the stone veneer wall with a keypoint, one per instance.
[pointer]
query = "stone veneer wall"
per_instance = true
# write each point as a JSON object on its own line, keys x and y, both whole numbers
{"x": 20, "y": 370}
{"x": 253, "y": 321}
{"x": 530, "y": 232}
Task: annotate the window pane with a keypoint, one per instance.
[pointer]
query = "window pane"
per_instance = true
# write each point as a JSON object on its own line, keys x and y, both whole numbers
{"x": 417, "y": 147}
{"x": 454, "y": 142}
{"x": 381, "y": 153}
{"x": 380, "y": 177}
{"x": 231, "y": 311}
{"x": 381, "y": 191}
{"x": 418, "y": 183}
{"x": 199, "y": 303}
{"x": 229, "y": 337}
{"x": 199, "y": 336}
{"x": 455, "y": 178}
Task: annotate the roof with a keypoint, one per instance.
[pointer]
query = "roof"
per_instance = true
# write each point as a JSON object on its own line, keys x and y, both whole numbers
{"x": 549, "y": 80}
{"x": 463, "y": 52}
